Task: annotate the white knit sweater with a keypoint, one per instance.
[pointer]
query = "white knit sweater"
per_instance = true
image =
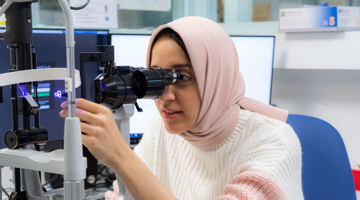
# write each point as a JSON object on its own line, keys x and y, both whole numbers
{"x": 260, "y": 160}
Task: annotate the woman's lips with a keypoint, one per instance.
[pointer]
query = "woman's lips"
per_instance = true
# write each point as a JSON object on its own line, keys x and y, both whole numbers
{"x": 170, "y": 113}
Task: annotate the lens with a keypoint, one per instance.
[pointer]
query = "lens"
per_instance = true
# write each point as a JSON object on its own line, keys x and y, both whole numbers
{"x": 20, "y": 138}
{"x": 126, "y": 88}
{"x": 150, "y": 84}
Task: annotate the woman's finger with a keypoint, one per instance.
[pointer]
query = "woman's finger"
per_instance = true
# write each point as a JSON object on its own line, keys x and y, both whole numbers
{"x": 86, "y": 116}
{"x": 86, "y": 140}
{"x": 110, "y": 195}
{"x": 116, "y": 187}
{"x": 64, "y": 113}
{"x": 90, "y": 106}
{"x": 85, "y": 105}
{"x": 88, "y": 128}
{"x": 83, "y": 115}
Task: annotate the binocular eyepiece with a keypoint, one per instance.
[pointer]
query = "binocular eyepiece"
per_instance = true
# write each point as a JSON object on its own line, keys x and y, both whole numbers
{"x": 127, "y": 84}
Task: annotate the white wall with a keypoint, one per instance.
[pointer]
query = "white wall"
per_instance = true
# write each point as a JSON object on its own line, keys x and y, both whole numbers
{"x": 332, "y": 95}
{"x": 318, "y": 74}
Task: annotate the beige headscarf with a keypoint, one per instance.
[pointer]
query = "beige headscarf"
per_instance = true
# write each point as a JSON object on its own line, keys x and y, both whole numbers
{"x": 221, "y": 85}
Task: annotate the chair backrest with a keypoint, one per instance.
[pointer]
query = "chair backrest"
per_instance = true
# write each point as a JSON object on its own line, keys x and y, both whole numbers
{"x": 326, "y": 171}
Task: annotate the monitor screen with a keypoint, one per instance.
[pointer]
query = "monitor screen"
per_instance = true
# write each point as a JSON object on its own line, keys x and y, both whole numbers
{"x": 256, "y": 58}
{"x": 256, "y": 54}
{"x": 131, "y": 50}
{"x": 50, "y": 52}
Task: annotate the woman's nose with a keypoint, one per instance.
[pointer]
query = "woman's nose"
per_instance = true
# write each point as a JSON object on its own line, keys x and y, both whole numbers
{"x": 168, "y": 94}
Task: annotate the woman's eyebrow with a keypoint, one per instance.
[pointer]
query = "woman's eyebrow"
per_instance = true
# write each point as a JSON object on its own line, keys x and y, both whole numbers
{"x": 181, "y": 66}
{"x": 174, "y": 66}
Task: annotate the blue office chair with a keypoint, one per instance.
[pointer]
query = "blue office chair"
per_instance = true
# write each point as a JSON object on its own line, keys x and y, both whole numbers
{"x": 326, "y": 171}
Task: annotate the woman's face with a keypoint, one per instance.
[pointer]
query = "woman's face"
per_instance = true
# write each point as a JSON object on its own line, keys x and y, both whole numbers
{"x": 180, "y": 103}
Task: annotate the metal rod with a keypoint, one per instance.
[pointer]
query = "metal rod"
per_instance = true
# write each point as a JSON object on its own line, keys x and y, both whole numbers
{"x": 74, "y": 170}
{"x": 5, "y": 6}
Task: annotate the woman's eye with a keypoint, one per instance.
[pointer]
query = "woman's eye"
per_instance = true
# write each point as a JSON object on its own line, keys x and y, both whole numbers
{"x": 184, "y": 77}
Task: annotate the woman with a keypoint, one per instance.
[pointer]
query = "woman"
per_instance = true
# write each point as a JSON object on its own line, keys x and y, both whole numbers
{"x": 210, "y": 141}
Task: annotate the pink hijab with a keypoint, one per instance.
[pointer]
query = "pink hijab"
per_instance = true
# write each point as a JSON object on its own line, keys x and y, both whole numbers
{"x": 221, "y": 85}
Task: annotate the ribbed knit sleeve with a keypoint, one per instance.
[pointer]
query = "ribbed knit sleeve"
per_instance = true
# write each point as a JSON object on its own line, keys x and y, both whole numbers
{"x": 252, "y": 186}
{"x": 271, "y": 166}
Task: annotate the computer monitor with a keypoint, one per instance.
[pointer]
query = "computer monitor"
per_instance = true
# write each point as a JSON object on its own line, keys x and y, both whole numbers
{"x": 256, "y": 55}
{"x": 51, "y": 52}
{"x": 256, "y": 59}
{"x": 131, "y": 50}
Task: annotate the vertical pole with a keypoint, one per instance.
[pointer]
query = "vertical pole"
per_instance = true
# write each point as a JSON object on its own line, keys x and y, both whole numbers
{"x": 74, "y": 170}
{"x": 0, "y": 183}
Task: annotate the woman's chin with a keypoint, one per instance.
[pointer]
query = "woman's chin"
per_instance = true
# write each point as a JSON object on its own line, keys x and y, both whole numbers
{"x": 173, "y": 130}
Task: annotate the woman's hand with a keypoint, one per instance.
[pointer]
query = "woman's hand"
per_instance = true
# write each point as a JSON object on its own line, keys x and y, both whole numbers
{"x": 112, "y": 195}
{"x": 104, "y": 140}
{"x": 101, "y": 134}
